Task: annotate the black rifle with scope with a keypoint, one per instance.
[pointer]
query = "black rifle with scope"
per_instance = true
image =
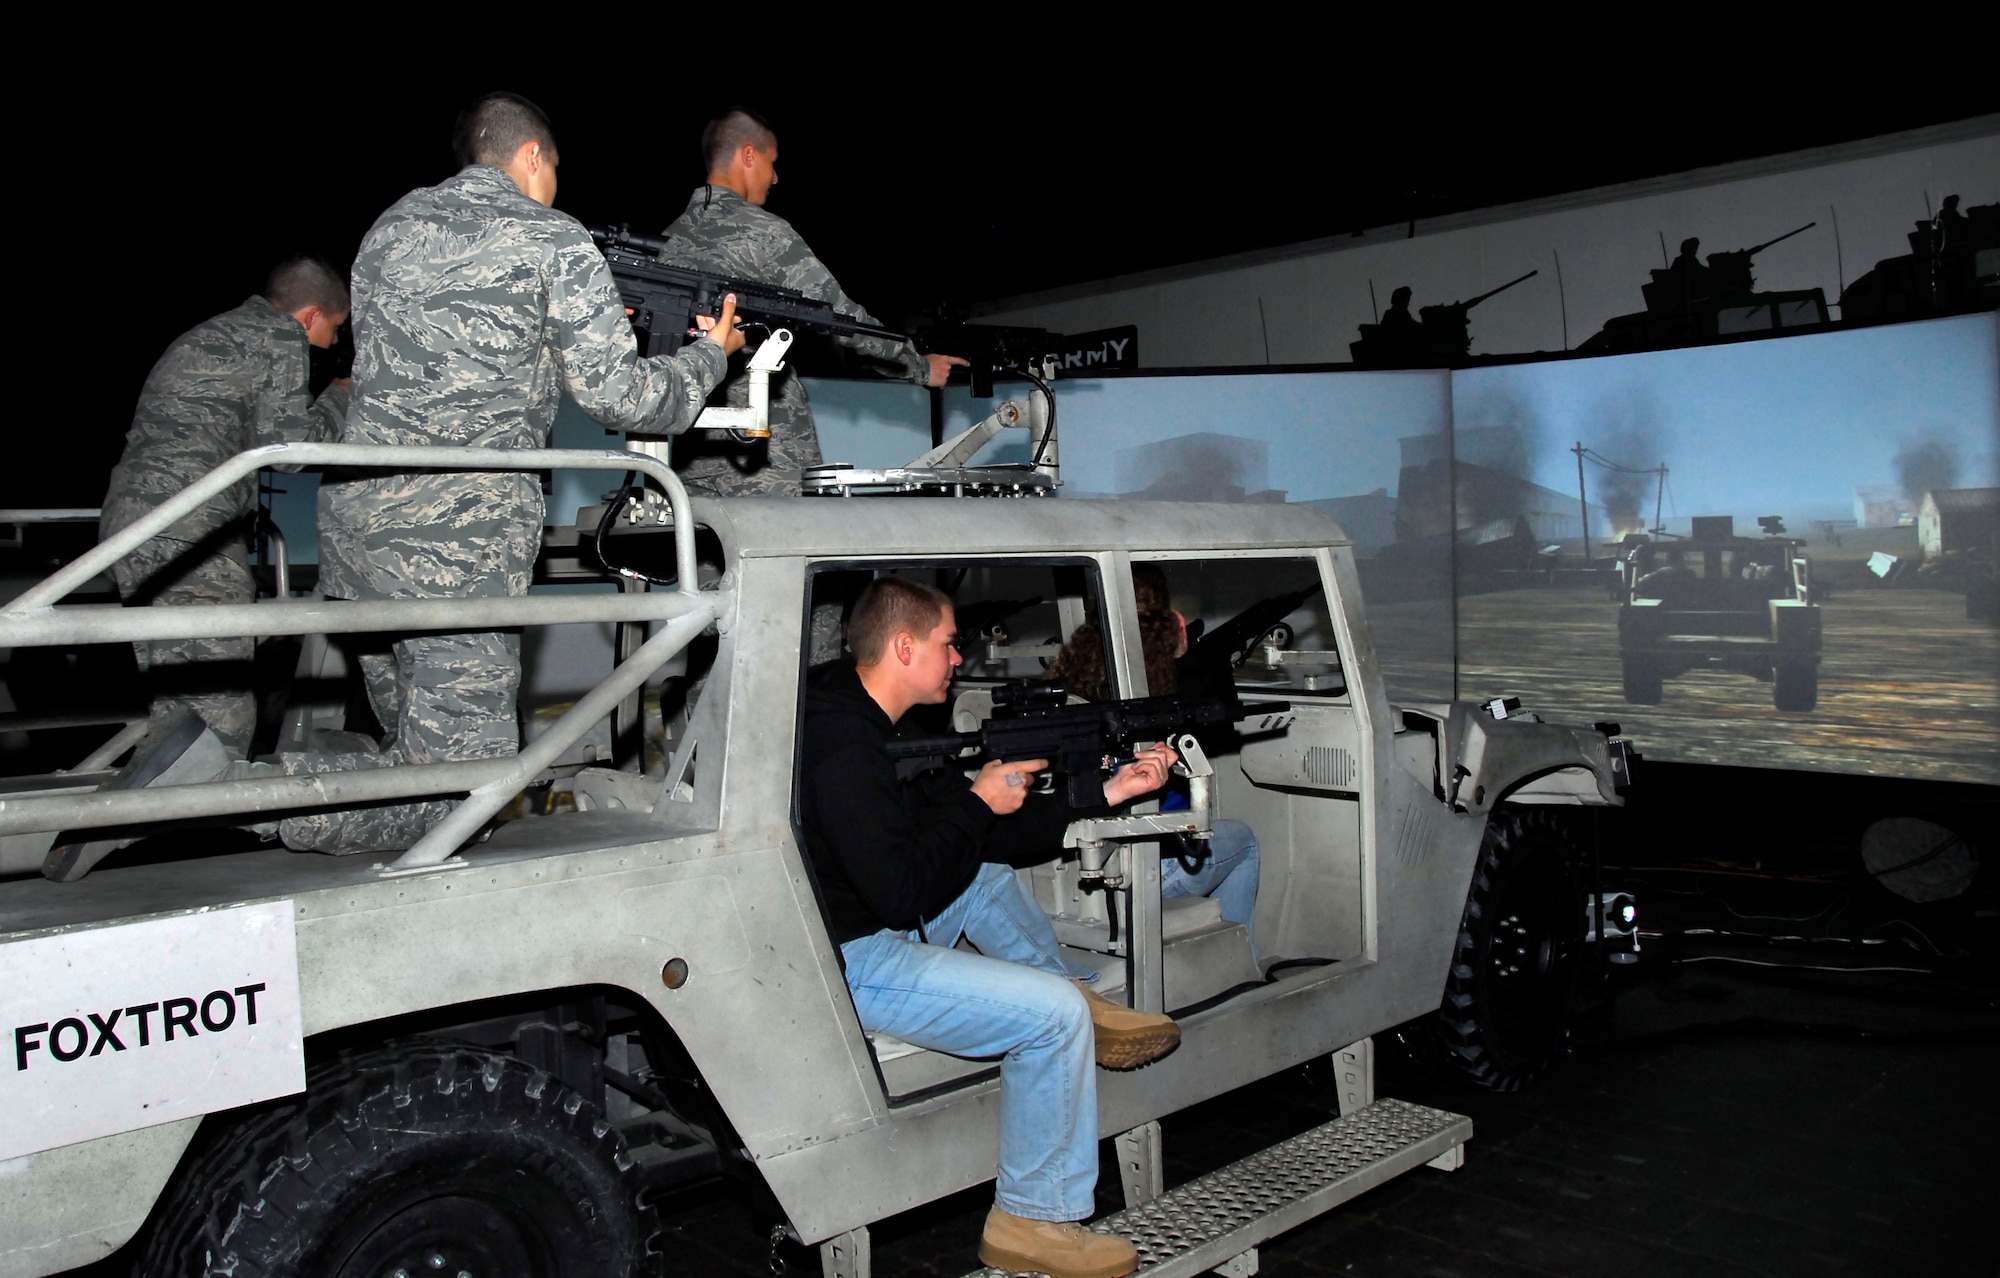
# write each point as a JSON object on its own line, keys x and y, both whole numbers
{"x": 1081, "y": 743}
{"x": 664, "y": 300}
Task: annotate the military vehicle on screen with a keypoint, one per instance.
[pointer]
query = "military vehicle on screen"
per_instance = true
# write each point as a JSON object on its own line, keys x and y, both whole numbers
{"x": 1953, "y": 265}
{"x": 475, "y": 1055}
{"x": 1690, "y": 301}
{"x": 1440, "y": 336}
{"x": 1719, "y": 601}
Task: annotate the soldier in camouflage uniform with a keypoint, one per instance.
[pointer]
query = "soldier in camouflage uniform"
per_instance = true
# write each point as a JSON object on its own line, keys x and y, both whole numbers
{"x": 235, "y": 382}
{"x": 726, "y": 231}
{"x": 476, "y": 306}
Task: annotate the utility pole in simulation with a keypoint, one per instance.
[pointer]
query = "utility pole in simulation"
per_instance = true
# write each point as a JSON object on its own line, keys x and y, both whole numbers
{"x": 1583, "y": 502}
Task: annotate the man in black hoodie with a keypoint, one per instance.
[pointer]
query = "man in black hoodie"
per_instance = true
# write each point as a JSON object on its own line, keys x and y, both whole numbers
{"x": 903, "y": 874}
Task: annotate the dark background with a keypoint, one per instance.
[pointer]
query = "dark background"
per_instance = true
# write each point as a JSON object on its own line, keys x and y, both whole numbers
{"x": 176, "y": 174}
{"x": 1713, "y": 1124}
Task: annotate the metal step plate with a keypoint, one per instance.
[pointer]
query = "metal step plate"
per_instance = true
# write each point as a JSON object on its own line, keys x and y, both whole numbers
{"x": 1198, "y": 1226}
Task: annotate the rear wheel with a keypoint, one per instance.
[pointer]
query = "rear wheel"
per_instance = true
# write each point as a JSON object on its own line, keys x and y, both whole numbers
{"x": 1795, "y": 685}
{"x": 423, "y": 1157}
{"x": 1520, "y": 942}
{"x": 1642, "y": 680}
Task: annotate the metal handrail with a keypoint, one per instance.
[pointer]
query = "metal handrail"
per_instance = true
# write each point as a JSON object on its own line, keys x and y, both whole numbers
{"x": 110, "y": 623}
{"x": 489, "y": 783}
{"x": 32, "y": 620}
{"x": 51, "y": 515}
{"x": 372, "y": 456}
{"x": 281, "y": 557}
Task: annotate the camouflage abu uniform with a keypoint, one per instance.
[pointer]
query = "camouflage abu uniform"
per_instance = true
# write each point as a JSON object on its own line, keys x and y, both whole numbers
{"x": 475, "y": 308}
{"x": 232, "y": 383}
{"x": 724, "y": 234}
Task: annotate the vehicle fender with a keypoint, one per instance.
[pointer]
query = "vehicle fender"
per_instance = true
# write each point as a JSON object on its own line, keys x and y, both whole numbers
{"x": 1795, "y": 626}
{"x": 78, "y": 1203}
{"x": 1641, "y": 621}
{"x": 1523, "y": 761}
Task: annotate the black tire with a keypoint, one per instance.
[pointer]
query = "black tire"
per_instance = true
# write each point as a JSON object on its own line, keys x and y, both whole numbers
{"x": 1795, "y": 685}
{"x": 1505, "y": 1011}
{"x": 402, "y": 1157}
{"x": 1642, "y": 681}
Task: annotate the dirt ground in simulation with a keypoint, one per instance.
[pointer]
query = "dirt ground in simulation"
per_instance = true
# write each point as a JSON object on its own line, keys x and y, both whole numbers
{"x": 1908, "y": 686}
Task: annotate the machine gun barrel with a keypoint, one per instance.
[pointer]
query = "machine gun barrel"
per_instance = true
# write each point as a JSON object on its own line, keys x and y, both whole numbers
{"x": 1230, "y": 643}
{"x": 1078, "y": 741}
{"x": 625, "y": 237}
{"x": 663, "y": 300}
{"x": 1759, "y": 248}
{"x": 1472, "y": 302}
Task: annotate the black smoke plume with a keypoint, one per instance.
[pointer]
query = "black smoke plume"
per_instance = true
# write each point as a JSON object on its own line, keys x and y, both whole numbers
{"x": 1628, "y": 435}
{"x": 1926, "y": 464}
{"x": 1497, "y": 440}
{"x": 1498, "y": 429}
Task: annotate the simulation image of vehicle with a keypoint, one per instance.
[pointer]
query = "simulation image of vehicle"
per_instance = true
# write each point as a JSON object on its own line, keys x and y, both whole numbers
{"x": 1717, "y": 600}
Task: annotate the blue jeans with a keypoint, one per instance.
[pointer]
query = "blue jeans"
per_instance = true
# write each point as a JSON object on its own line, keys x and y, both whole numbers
{"x": 1015, "y": 1000}
{"x": 1229, "y": 875}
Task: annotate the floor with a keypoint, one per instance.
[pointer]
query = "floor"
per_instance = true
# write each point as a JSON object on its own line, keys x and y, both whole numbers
{"x": 1843, "y": 1134}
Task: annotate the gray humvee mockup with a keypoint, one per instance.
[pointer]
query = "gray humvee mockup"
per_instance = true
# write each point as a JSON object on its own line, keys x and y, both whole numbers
{"x": 472, "y": 1056}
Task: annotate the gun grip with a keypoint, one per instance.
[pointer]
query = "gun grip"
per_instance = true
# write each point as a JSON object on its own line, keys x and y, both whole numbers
{"x": 1086, "y": 788}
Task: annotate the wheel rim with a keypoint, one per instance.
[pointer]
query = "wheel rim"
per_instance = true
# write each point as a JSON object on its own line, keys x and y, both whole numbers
{"x": 459, "y": 1235}
{"x": 1531, "y": 954}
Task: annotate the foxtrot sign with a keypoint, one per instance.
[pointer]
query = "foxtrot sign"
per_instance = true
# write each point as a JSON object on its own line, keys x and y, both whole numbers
{"x": 117, "y": 1028}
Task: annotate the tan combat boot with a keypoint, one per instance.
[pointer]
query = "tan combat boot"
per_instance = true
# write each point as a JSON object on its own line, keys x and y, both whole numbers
{"x": 1127, "y": 1039}
{"x": 1060, "y": 1249}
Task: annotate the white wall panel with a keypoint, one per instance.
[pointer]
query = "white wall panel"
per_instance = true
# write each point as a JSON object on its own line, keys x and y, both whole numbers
{"x": 1314, "y": 302}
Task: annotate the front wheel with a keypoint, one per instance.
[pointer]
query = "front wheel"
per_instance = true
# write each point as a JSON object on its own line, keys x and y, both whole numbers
{"x": 1642, "y": 680}
{"x": 1514, "y": 968}
{"x": 1795, "y": 685}
{"x": 422, "y": 1157}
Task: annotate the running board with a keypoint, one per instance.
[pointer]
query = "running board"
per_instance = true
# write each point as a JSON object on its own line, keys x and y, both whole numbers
{"x": 1205, "y": 1224}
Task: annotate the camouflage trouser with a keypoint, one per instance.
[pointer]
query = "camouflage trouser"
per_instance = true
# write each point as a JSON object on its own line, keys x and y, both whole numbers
{"x": 720, "y": 466}
{"x": 440, "y": 698}
{"x": 211, "y": 677}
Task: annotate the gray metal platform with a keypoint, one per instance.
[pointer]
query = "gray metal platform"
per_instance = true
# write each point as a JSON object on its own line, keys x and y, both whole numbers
{"x": 1206, "y": 1223}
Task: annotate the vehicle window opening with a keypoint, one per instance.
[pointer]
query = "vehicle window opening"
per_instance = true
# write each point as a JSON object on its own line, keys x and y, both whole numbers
{"x": 1011, "y": 618}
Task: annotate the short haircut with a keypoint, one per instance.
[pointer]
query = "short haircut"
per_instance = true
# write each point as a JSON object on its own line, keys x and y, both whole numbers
{"x": 888, "y": 606}
{"x": 1400, "y": 296}
{"x": 493, "y": 128}
{"x": 730, "y": 130}
{"x": 1150, "y": 592}
{"x": 306, "y": 281}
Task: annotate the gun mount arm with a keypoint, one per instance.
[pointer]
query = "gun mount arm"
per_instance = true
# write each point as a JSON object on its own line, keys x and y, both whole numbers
{"x": 946, "y": 468}
{"x": 1231, "y": 643}
{"x": 1092, "y": 837}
